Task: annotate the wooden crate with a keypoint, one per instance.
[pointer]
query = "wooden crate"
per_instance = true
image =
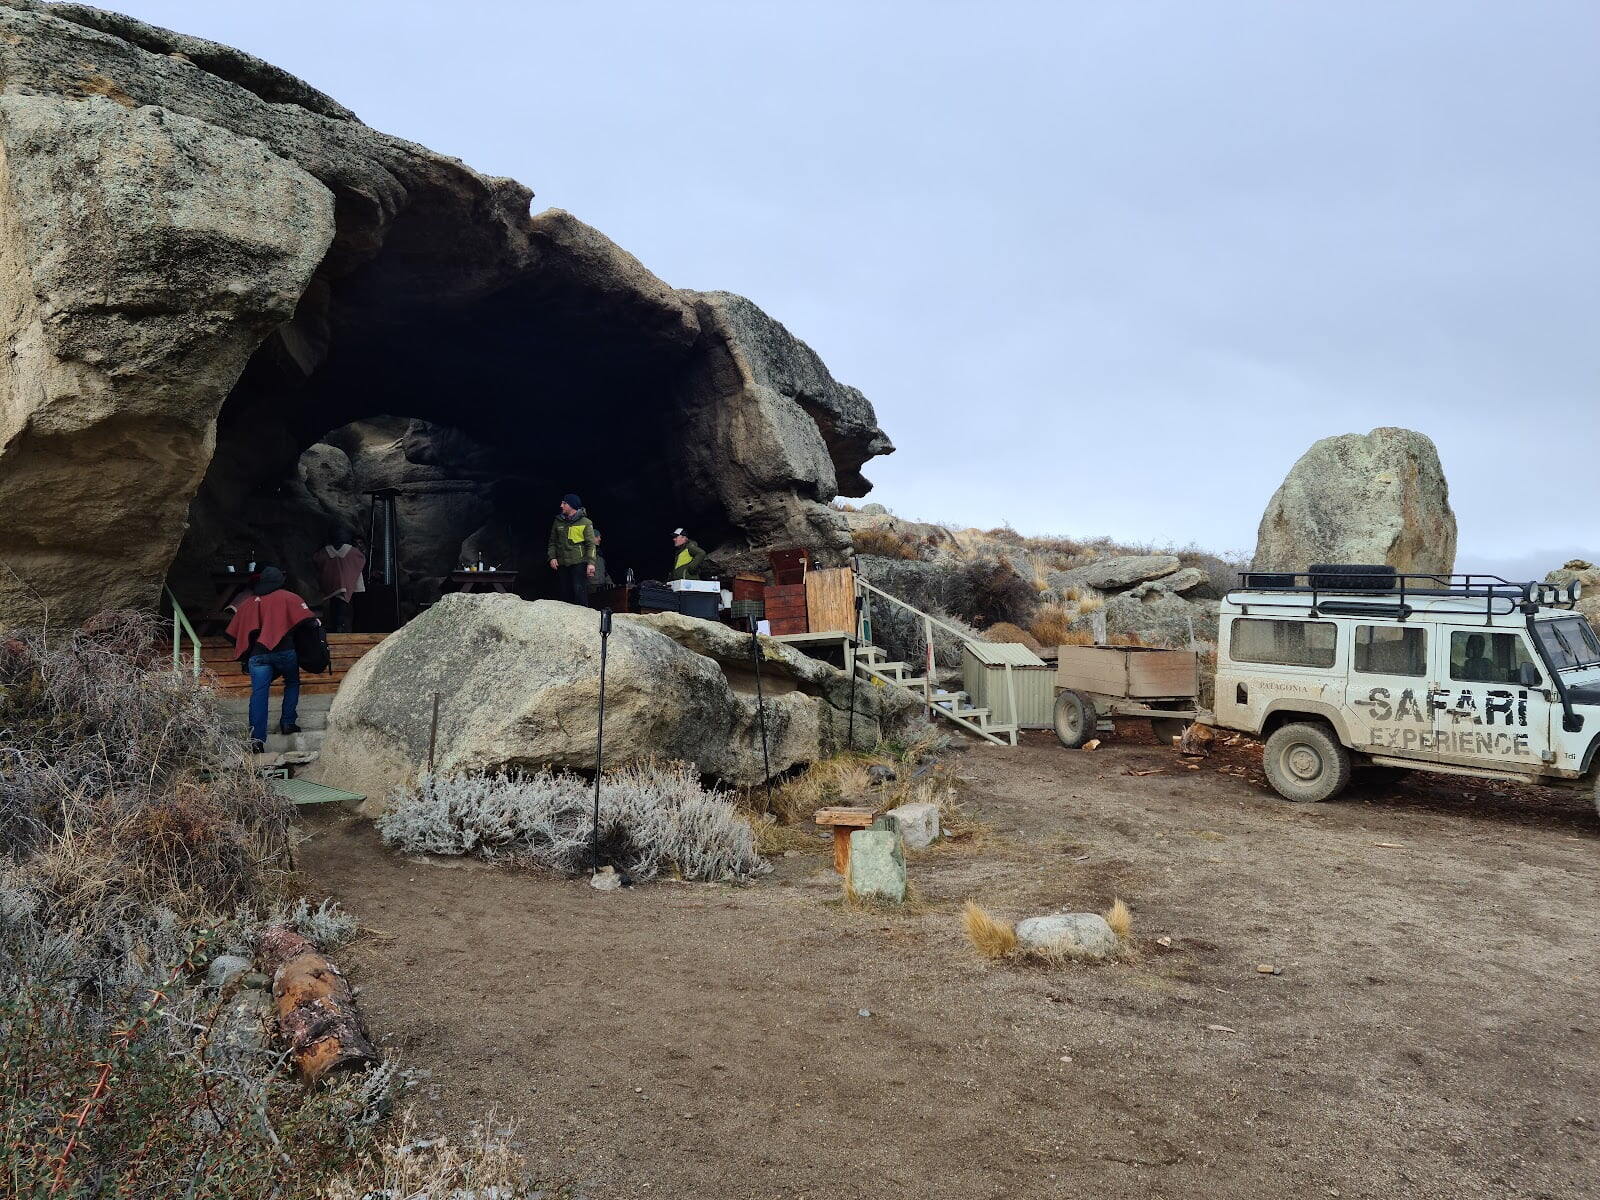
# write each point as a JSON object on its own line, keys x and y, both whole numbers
{"x": 786, "y": 600}
{"x": 782, "y": 626}
{"x": 831, "y": 600}
{"x": 748, "y": 588}
{"x": 1130, "y": 672}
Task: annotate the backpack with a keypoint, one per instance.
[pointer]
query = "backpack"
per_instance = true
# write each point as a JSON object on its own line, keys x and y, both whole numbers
{"x": 311, "y": 647}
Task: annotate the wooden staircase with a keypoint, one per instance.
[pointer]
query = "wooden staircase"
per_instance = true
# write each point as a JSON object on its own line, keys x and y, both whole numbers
{"x": 874, "y": 663}
{"x": 224, "y": 675}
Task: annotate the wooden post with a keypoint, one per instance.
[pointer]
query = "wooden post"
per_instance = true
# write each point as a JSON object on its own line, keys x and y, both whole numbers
{"x": 927, "y": 674}
{"x": 1011, "y": 692}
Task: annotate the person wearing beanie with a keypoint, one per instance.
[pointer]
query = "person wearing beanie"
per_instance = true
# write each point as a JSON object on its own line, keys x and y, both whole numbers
{"x": 572, "y": 550}
{"x": 263, "y": 633}
{"x": 687, "y": 557}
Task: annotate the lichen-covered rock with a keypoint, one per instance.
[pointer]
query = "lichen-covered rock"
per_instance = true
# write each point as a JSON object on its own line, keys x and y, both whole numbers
{"x": 877, "y": 865}
{"x": 519, "y": 688}
{"x": 1379, "y": 497}
{"x": 1113, "y": 574}
{"x": 1067, "y": 935}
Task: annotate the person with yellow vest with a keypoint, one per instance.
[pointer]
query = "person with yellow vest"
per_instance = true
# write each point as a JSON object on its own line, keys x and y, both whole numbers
{"x": 572, "y": 550}
{"x": 686, "y": 563}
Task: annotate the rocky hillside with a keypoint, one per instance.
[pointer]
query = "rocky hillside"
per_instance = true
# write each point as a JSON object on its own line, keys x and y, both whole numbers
{"x": 207, "y": 265}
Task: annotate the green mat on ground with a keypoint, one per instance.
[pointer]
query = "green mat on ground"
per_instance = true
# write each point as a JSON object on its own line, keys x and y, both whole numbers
{"x": 303, "y": 791}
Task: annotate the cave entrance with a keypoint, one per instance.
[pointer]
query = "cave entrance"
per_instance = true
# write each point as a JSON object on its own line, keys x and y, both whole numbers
{"x": 479, "y": 421}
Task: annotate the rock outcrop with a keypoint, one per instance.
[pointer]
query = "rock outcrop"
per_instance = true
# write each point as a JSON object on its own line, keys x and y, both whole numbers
{"x": 1379, "y": 497}
{"x": 1585, "y": 573}
{"x": 304, "y": 271}
{"x": 1114, "y": 574}
{"x": 519, "y": 687}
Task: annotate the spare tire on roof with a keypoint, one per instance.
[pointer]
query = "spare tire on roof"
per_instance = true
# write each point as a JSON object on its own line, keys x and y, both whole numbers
{"x": 1268, "y": 580}
{"x": 1359, "y": 577}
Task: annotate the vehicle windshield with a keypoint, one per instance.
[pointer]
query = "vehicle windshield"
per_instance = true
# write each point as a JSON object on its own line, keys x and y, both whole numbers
{"x": 1569, "y": 642}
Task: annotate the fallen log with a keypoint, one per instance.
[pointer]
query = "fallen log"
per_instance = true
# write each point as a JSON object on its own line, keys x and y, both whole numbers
{"x": 315, "y": 1009}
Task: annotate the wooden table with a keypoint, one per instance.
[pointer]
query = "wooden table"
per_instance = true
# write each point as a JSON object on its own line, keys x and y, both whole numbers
{"x": 844, "y": 821}
{"x": 483, "y": 581}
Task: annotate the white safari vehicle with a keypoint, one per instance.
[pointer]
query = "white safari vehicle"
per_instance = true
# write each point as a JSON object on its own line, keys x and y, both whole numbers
{"x": 1344, "y": 668}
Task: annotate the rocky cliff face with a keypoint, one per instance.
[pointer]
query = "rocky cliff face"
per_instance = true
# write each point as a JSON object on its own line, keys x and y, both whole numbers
{"x": 1379, "y": 497}
{"x": 206, "y": 266}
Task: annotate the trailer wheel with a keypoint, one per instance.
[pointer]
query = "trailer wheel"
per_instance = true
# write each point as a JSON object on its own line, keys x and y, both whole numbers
{"x": 1305, "y": 763}
{"x": 1167, "y": 728}
{"x": 1076, "y": 719}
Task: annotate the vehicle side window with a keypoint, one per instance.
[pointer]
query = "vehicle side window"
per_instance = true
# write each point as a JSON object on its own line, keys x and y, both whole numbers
{"x": 1391, "y": 650}
{"x": 1283, "y": 643}
{"x": 1487, "y": 657}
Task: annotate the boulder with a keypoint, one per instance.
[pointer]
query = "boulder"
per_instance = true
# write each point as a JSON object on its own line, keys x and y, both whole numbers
{"x": 1186, "y": 580}
{"x": 1588, "y": 574}
{"x": 519, "y": 687}
{"x": 225, "y": 969}
{"x": 917, "y": 823}
{"x": 1114, "y": 574}
{"x": 1067, "y": 935}
{"x": 1379, "y": 497}
{"x": 877, "y": 865}
{"x": 1158, "y": 617}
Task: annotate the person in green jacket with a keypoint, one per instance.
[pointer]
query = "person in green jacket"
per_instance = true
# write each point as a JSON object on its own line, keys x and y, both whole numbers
{"x": 686, "y": 562}
{"x": 572, "y": 550}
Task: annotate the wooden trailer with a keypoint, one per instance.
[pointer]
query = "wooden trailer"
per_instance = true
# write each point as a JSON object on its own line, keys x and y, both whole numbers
{"x": 1097, "y": 683}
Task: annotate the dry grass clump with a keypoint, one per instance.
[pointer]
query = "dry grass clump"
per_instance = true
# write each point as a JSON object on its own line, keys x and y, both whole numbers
{"x": 842, "y": 779}
{"x": 989, "y": 936}
{"x": 654, "y": 817}
{"x": 1007, "y": 632}
{"x": 1051, "y": 625}
{"x": 485, "y": 1164}
{"x": 120, "y": 787}
{"x": 1120, "y": 918}
{"x": 886, "y": 543}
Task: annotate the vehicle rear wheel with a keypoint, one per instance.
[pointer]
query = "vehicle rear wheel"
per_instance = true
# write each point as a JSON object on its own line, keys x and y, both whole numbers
{"x": 1305, "y": 763}
{"x": 1167, "y": 728}
{"x": 1075, "y": 719}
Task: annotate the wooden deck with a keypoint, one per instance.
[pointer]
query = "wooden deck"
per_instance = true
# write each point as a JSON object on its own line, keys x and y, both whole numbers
{"x": 225, "y": 675}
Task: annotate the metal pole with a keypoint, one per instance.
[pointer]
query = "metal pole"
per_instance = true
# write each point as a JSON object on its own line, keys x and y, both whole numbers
{"x": 599, "y": 742}
{"x": 433, "y": 732}
{"x": 761, "y": 708}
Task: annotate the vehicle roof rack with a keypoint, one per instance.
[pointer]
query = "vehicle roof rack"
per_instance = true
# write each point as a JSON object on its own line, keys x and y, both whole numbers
{"x": 1391, "y": 593}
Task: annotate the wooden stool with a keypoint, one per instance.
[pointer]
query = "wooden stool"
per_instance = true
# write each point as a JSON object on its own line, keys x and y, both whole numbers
{"x": 843, "y": 821}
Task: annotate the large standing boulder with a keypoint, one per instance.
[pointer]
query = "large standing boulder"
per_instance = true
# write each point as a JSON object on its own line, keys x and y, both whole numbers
{"x": 519, "y": 686}
{"x": 1588, "y": 574}
{"x": 1379, "y": 497}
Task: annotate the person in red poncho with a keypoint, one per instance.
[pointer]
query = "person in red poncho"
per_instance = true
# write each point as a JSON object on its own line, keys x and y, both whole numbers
{"x": 263, "y": 639}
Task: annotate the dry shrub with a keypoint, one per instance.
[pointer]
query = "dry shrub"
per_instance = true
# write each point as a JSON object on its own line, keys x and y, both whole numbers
{"x": 1120, "y": 918}
{"x": 1007, "y": 632}
{"x": 988, "y": 591}
{"x": 989, "y": 936}
{"x": 485, "y": 1164}
{"x": 842, "y": 779}
{"x": 120, "y": 785}
{"x": 1079, "y": 637}
{"x": 654, "y": 817}
{"x": 885, "y": 543}
{"x": 1125, "y": 639}
{"x": 1093, "y": 602}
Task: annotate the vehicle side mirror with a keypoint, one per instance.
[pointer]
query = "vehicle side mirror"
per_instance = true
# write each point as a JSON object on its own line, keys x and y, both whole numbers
{"x": 1528, "y": 676}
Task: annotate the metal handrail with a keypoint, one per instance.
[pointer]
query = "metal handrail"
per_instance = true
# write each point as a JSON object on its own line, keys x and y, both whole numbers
{"x": 964, "y": 638}
{"x": 181, "y": 626}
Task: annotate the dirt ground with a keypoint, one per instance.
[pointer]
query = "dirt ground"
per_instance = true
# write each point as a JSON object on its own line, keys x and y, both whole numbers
{"x": 1432, "y": 1032}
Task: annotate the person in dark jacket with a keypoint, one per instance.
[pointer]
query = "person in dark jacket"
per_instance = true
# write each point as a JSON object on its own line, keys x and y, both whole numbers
{"x": 263, "y": 633}
{"x": 687, "y": 557}
{"x": 572, "y": 550}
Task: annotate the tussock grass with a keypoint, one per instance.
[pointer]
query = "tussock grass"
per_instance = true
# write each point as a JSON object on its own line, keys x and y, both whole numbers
{"x": 886, "y": 543}
{"x": 1005, "y": 631}
{"x": 1120, "y": 917}
{"x": 990, "y": 937}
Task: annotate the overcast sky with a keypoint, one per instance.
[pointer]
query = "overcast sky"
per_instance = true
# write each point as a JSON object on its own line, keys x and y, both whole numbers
{"x": 1103, "y": 268}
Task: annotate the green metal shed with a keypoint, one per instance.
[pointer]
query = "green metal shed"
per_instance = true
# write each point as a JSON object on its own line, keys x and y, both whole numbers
{"x": 985, "y": 667}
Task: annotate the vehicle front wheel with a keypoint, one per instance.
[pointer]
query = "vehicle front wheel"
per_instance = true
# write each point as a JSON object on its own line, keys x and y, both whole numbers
{"x": 1076, "y": 719}
{"x": 1305, "y": 763}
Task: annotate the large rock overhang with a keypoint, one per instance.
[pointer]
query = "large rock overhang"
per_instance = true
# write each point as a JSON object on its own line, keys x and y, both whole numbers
{"x": 191, "y": 234}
